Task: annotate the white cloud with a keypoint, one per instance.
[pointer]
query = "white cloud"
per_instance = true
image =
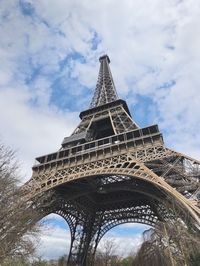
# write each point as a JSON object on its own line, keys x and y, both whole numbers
{"x": 54, "y": 243}
{"x": 32, "y": 130}
{"x": 135, "y": 226}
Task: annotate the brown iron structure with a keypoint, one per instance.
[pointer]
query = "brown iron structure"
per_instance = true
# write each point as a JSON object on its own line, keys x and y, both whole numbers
{"x": 110, "y": 171}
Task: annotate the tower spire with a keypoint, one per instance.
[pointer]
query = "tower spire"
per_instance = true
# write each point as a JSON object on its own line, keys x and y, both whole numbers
{"x": 105, "y": 91}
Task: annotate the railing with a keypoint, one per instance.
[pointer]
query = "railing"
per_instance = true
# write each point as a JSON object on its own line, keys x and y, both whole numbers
{"x": 131, "y": 138}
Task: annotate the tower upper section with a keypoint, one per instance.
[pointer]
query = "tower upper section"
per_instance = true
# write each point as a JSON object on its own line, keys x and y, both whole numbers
{"x": 106, "y": 125}
{"x": 105, "y": 91}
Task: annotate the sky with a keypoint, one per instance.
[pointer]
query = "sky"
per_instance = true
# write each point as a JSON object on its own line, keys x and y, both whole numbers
{"x": 49, "y": 54}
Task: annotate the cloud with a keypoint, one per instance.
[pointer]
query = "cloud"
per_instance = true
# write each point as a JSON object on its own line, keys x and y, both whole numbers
{"x": 32, "y": 130}
{"x": 54, "y": 243}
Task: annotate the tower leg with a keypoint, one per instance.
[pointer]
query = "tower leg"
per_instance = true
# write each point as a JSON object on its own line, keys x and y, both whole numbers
{"x": 82, "y": 235}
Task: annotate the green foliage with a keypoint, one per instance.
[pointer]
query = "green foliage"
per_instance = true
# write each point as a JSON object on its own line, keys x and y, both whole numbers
{"x": 194, "y": 260}
{"x": 128, "y": 261}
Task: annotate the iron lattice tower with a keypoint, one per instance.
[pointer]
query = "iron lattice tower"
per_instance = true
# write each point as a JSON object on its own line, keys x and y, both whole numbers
{"x": 110, "y": 171}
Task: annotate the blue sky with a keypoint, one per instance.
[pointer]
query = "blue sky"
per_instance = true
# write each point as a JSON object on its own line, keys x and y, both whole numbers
{"x": 49, "y": 54}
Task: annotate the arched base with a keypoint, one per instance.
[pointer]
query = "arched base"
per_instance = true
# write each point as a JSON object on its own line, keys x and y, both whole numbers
{"x": 93, "y": 205}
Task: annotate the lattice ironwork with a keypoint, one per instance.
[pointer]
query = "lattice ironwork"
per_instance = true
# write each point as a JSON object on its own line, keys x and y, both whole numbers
{"x": 105, "y": 89}
{"x": 120, "y": 120}
{"x": 110, "y": 171}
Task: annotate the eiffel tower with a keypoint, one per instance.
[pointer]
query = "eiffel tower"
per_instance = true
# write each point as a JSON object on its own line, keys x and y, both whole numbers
{"x": 110, "y": 171}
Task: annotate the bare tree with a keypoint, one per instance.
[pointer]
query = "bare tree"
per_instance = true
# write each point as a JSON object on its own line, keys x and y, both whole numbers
{"x": 17, "y": 217}
{"x": 106, "y": 255}
{"x": 169, "y": 244}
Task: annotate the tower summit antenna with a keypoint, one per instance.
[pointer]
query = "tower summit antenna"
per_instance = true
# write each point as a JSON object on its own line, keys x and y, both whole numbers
{"x": 105, "y": 91}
